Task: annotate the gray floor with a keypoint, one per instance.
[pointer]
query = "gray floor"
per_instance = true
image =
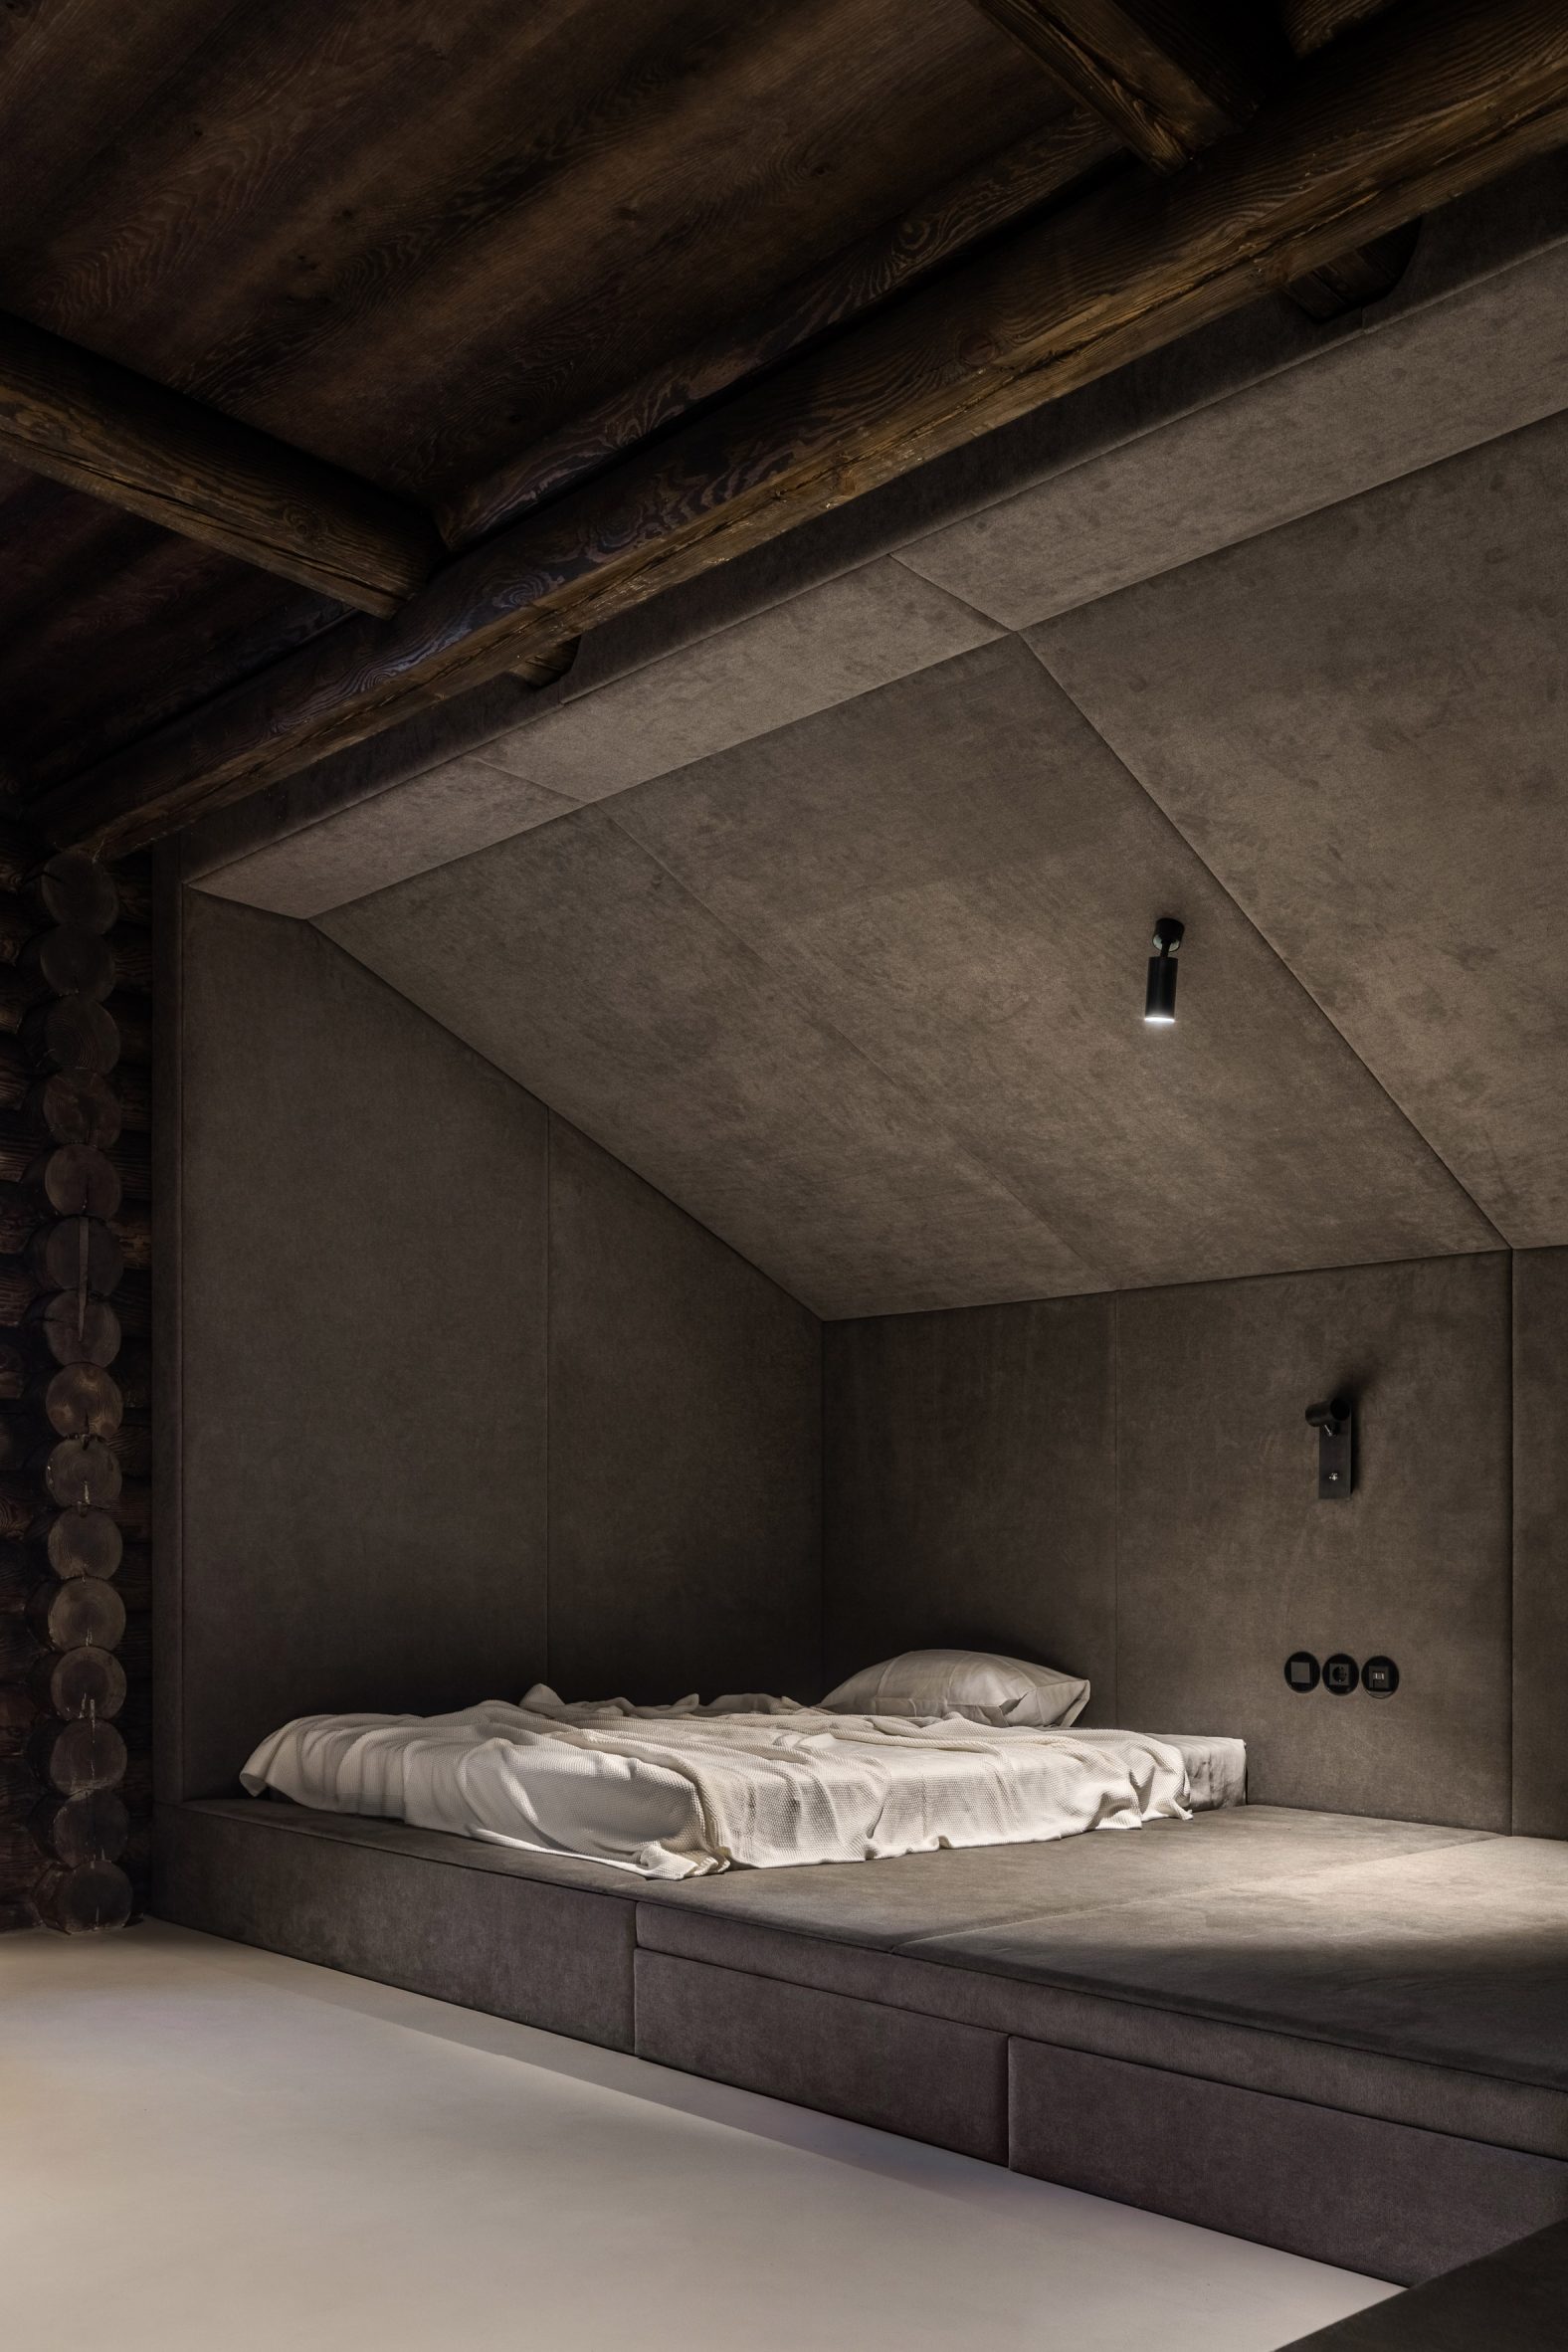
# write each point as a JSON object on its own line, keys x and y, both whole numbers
{"x": 215, "y": 2145}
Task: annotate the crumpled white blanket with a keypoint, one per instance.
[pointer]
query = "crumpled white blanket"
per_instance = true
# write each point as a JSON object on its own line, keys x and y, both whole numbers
{"x": 675, "y": 1792}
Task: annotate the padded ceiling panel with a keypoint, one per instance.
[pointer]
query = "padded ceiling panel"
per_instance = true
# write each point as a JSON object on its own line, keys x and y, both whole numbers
{"x": 862, "y": 995}
{"x": 574, "y": 960}
{"x": 1362, "y": 723}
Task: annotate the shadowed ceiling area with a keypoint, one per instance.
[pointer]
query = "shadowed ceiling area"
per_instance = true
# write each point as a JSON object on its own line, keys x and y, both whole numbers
{"x": 862, "y": 993}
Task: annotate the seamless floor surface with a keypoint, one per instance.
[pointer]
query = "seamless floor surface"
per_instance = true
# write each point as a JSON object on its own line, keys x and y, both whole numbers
{"x": 216, "y": 2145}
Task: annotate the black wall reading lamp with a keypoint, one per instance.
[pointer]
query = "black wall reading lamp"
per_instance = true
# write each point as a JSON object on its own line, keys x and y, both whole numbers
{"x": 1336, "y": 1427}
{"x": 1160, "y": 998}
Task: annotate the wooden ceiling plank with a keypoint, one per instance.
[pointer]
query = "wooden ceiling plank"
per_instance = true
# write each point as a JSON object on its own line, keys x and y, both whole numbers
{"x": 1420, "y": 107}
{"x": 997, "y": 193}
{"x": 1168, "y": 76}
{"x": 86, "y": 422}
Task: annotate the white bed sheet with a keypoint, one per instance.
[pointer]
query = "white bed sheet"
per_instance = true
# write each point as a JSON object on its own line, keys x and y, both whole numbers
{"x": 756, "y": 1782}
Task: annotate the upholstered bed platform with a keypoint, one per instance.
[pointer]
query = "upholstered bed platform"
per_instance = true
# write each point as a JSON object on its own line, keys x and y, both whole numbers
{"x": 1347, "y": 2037}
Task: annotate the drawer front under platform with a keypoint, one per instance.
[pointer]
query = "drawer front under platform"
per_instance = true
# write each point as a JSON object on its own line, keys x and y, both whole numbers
{"x": 924, "y": 2076}
{"x": 1385, "y": 2199}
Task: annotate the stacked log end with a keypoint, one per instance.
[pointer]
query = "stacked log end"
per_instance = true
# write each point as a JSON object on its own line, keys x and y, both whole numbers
{"x": 75, "y": 1317}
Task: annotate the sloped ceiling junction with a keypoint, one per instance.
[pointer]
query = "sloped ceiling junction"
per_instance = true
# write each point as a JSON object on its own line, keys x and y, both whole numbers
{"x": 828, "y": 915}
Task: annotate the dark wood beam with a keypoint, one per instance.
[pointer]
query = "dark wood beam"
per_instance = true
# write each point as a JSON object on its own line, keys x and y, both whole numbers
{"x": 998, "y": 193}
{"x": 1170, "y": 77}
{"x": 85, "y": 421}
{"x": 1423, "y": 105}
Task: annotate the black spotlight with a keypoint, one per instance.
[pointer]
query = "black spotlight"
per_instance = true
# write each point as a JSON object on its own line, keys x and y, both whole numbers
{"x": 1159, "y": 1003}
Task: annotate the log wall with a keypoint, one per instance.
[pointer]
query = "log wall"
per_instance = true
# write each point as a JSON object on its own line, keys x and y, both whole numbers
{"x": 75, "y": 1290}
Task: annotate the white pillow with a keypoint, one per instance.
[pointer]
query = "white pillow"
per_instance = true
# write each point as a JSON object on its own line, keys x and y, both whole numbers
{"x": 970, "y": 1682}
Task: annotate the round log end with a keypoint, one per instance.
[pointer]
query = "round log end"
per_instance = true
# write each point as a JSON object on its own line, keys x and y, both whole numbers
{"x": 79, "y": 1902}
{"x": 79, "y": 1181}
{"x": 83, "y": 1473}
{"x": 86, "y": 1543}
{"x": 80, "y": 1686}
{"x": 78, "y": 1829}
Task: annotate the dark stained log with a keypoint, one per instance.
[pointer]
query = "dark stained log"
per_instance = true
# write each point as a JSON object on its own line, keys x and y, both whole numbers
{"x": 133, "y": 1510}
{"x": 133, "y": 1376}
{"x": 84, "y": 1543}
{"x": 17, "y": 1714}
{"x": 16, "y": 1074}
{"x": 132, "y": 950}
{"x": 77, "y": 891}
{"x": 132, "y": 1017}
{"x": 13, "y": 1371}
{"x": 83, "y": 1473}
{"x": 79, "y": 1902}
{"x": 19, "y": 856}
{"x": 20, "y": 1212}
{"x": 71, "y": 1033}
{"x": 76, "y": 1253}
{"x": 132, "y": 1229}
{"x": 18, "y": 1291}
{"x": 81, "y": 1684}
{"x": 96, "y": 426}
{"x": 19, "y": 1649}
{"x": 134, "y": 880}
{"x": 22, "y": 1862}
{"x": 132, "y": 1164}
{"x": 1170, "y": 77}
{"x": 16, "y": 1916}
{"x": 20, "y": 1440}
{"x": 1006, "y": 188}
{"x": 134, "y": 1305}
{"x": 1407, "y": 113}
{"x": 81, "y": 1828}
{"x": 22, "y": 1505}
{"x": 20, "y": 1788}
{"x": 133, "y": 1089}
{"x": 81, "y": 1611}
{"x": 76, "y": 1758}
{"x": 66, "y": 960}
{"x": 135, "y": 1656}
{"x": 74, "y": 1330}
{"x": 23, "y": 1568}
{"x": 18, "y": 925}
{"x": 75, "y": 1107}
{"x": 19, "y": 994}
{"x": 78, "y": 1180}
{"x": 134, "y": 1581}
{"x": 131, "y": 1446}
{"x": 83, "y": 1400}
{"x": 1363, "y": 275}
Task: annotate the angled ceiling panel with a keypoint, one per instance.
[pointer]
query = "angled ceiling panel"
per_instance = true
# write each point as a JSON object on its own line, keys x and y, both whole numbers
{"x": 575, "y": 961}
{"x": 1361, "y": 724}
{"x": 865, "y": 995}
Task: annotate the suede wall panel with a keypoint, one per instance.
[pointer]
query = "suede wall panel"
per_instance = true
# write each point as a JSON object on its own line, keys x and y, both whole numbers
{"x": 686, "y": 1403}
{"x": 363, "y": 1270}
{"x": 970, "y": 1458}
{"x": 1540, "y": 1541}
{"x": 1358, "y": 723}
{"x": 973, "y": 1490}
{"x": 1228, "y": 1561}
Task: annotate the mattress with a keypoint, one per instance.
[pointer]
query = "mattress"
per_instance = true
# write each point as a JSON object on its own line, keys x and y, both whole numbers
{"x": 748, "y": 1782}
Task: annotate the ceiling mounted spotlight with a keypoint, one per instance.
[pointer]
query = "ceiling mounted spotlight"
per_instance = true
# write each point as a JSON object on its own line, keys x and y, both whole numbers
{"x": 1159, "y": 1003}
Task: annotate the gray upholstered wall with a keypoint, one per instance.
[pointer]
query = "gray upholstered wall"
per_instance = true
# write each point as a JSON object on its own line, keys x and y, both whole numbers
{"x": 1127, "y": 1485}
{"x": 457, "y": 1400}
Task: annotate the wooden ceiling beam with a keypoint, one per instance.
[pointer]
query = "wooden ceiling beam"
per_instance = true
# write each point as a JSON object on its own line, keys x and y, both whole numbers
{"x": 1421, "y": 105}
{"x": 1172, "y": 77}
{"x": 997, "y": 194}
{"x": 97, "y": 426}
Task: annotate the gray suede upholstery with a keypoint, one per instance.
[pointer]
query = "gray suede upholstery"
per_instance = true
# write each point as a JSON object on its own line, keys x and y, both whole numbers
{"x": 924, "y": 2076}
{"x": 1540, "y": 1541}
{"x": 417, "y": 1377}
{"x": 1514, "y": 2300}
{"x": 1342, "y": 2036}
{"x": 1128, "y": 1483}
{"x": 1376, "y": 2197}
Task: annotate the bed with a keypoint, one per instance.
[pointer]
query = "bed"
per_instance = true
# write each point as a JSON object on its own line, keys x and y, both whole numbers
{"x": 750, "y": 1782}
